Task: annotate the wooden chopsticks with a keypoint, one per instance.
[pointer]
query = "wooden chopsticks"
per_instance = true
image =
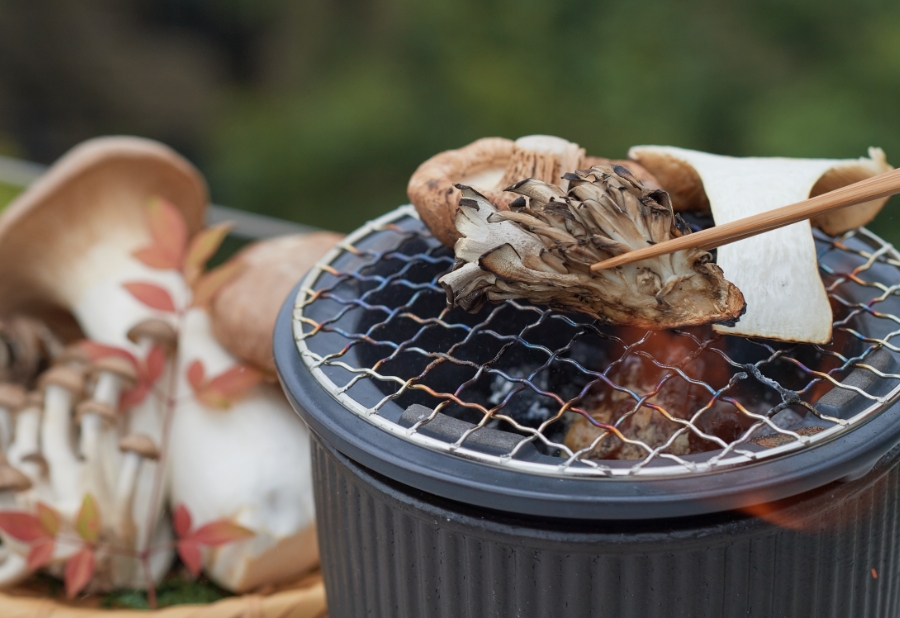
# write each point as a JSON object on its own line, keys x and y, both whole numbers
{"x": 883, "y": 185}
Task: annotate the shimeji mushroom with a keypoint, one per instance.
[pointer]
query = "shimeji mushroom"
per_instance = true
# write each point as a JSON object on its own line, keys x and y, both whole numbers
{"x": 136, "y": 448}
{"x": 489, "y": 165}
{"x": 66, "y": 247}
{"x": 112, "y": 375}
{"x": 13, "y": 554}
{"x": 542, "y": 251}
{"x": 63, "y": 387}
{"x": 12, "y": 397}
{"x": 777, "y": 271}
{"x": 25, "y": 446}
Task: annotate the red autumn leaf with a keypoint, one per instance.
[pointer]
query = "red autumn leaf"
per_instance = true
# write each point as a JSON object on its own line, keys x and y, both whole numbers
{"x": 168, "y": 228}
{"x": 152, "y": 295}
{"x": 134, "y": 396}
{"x": 22, "y": 526}
{"x": 189, "y": 552}
{"x": 219, "y": 532}
{"x": 202, "y": 247}
{"x": 154, "y": 365}
{"x": 40, "y": 554}
{"x": 195, "y": 374}
{"x": 156, "y": 257}
{"x": 88, "y": 522}
{"x": 206, "y": 287}
{"x": 79, "y": 570}
{"x": 222, "y": 390}
{"x": 48, "y": 518}
{"x": 96, "y": 351}
{"x": 181, "y": 521}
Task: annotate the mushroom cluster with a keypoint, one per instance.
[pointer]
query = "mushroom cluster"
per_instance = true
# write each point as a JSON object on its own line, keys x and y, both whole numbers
{"x": 149, "y": 417}
{"x": 542, "y": 249}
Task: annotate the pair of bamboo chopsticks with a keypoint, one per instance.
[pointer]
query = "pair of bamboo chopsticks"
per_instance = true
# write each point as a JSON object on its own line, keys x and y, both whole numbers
{"x": 883, "y": 185}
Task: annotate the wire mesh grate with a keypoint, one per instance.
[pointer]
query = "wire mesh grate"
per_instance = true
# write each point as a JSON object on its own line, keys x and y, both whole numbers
{"x": 554, "y": 393}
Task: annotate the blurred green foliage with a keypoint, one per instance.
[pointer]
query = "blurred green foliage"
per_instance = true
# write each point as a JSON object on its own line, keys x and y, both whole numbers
{"x": 318, "y": 111}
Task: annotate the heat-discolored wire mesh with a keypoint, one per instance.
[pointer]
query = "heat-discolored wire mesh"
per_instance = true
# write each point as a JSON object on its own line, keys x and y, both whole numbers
{"x": 572, "y": 396}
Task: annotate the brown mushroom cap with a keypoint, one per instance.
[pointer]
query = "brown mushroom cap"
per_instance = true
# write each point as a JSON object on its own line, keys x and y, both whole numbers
{"x": 116, "y": 365}
{"x": 73, "y": 354}
{"x": 490, "y": 165}
{"x": 92, "y": 406}
{"x": 95, "y": 194}
{"x": 244, "y": 310}
{"x": 64, "y": 376}
{"x": 12, "y": 396}
{"x": 141, "y": 444}
{"x": 34, "y": 399}
{"x": 40, "y": 461}
{"x": 12, "y": 479}
{"x": 158, "y": 331}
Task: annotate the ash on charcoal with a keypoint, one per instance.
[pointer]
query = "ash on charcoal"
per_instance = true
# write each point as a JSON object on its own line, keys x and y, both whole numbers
{"x": 525, "y": 406}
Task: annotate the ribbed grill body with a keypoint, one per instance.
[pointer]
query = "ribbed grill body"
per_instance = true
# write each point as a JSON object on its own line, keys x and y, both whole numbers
{"x": 390, "y": 551}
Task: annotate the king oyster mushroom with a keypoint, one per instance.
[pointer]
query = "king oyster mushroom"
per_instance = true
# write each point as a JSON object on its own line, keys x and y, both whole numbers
{"x": 542, "y": 251}
{"x": 776, "y": 271}
{"x": 490, "y": 164}
{"x": 244, "y": 310}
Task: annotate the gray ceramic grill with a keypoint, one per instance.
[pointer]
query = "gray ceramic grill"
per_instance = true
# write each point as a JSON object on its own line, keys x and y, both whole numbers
{"x": 373, "y": 356}
{"x": 520, "y": 419}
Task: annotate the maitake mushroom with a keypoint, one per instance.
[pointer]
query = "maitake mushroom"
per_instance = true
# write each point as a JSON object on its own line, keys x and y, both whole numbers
{"x": 542, "y": 251}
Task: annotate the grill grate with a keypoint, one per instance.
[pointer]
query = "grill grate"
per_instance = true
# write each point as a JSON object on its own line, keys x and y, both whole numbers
{"x": 553, "y": 393}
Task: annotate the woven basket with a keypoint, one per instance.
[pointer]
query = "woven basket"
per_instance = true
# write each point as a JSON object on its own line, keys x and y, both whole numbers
{"x": 303, "y": 599}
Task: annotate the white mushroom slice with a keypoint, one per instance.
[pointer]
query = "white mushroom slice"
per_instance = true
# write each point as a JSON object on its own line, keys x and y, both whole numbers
{"x": 777, "y": 271}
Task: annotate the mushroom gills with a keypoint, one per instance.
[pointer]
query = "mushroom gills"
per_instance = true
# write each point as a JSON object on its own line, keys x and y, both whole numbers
{"x": 776, "y": 271}
{"x": 543, "y": 253}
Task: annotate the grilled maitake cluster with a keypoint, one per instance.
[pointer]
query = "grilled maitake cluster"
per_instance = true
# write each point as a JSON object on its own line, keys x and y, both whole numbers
{"x": 542, "y": 249}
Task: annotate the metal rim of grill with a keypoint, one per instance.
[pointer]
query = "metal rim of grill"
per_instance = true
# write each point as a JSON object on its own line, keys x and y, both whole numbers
{"x": 324, "y": 347}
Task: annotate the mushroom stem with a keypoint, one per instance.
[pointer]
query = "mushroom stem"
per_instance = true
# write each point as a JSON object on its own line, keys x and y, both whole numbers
{"x": 56, "y": 442}
{"x": 135, "y": 448}
{"x": 108, "y": 388}
{"x": 13, "y": 569}
{"x": 124, "y": 499}
{"x": 28, "y": 427}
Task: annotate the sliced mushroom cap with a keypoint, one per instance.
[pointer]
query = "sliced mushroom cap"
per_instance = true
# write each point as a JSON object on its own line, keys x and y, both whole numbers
{"x": 64, "y": 376}
{"x": 244, "y": 310}
{"x": 489, "y": 165}
{"x": 12, "y": 396}
{"x": 141, "y": 444}
{"x": 543, "y": 253}
{"x": 157, "y": 330}
{"x": 116, "y": 365}
{"x": 101, "y": 409}
{"x": 89, "y": 206}
{"x": 683, "y": 183}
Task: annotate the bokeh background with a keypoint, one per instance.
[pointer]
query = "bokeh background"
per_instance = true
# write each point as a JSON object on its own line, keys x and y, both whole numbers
{"x": 318, "y": 111}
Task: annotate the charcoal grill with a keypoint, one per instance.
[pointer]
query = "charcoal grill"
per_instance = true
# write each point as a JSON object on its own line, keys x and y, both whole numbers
{"x": 447, "y": 482}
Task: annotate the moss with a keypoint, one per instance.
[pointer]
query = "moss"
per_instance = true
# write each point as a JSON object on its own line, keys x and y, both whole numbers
{"x": 177, "y": 589}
